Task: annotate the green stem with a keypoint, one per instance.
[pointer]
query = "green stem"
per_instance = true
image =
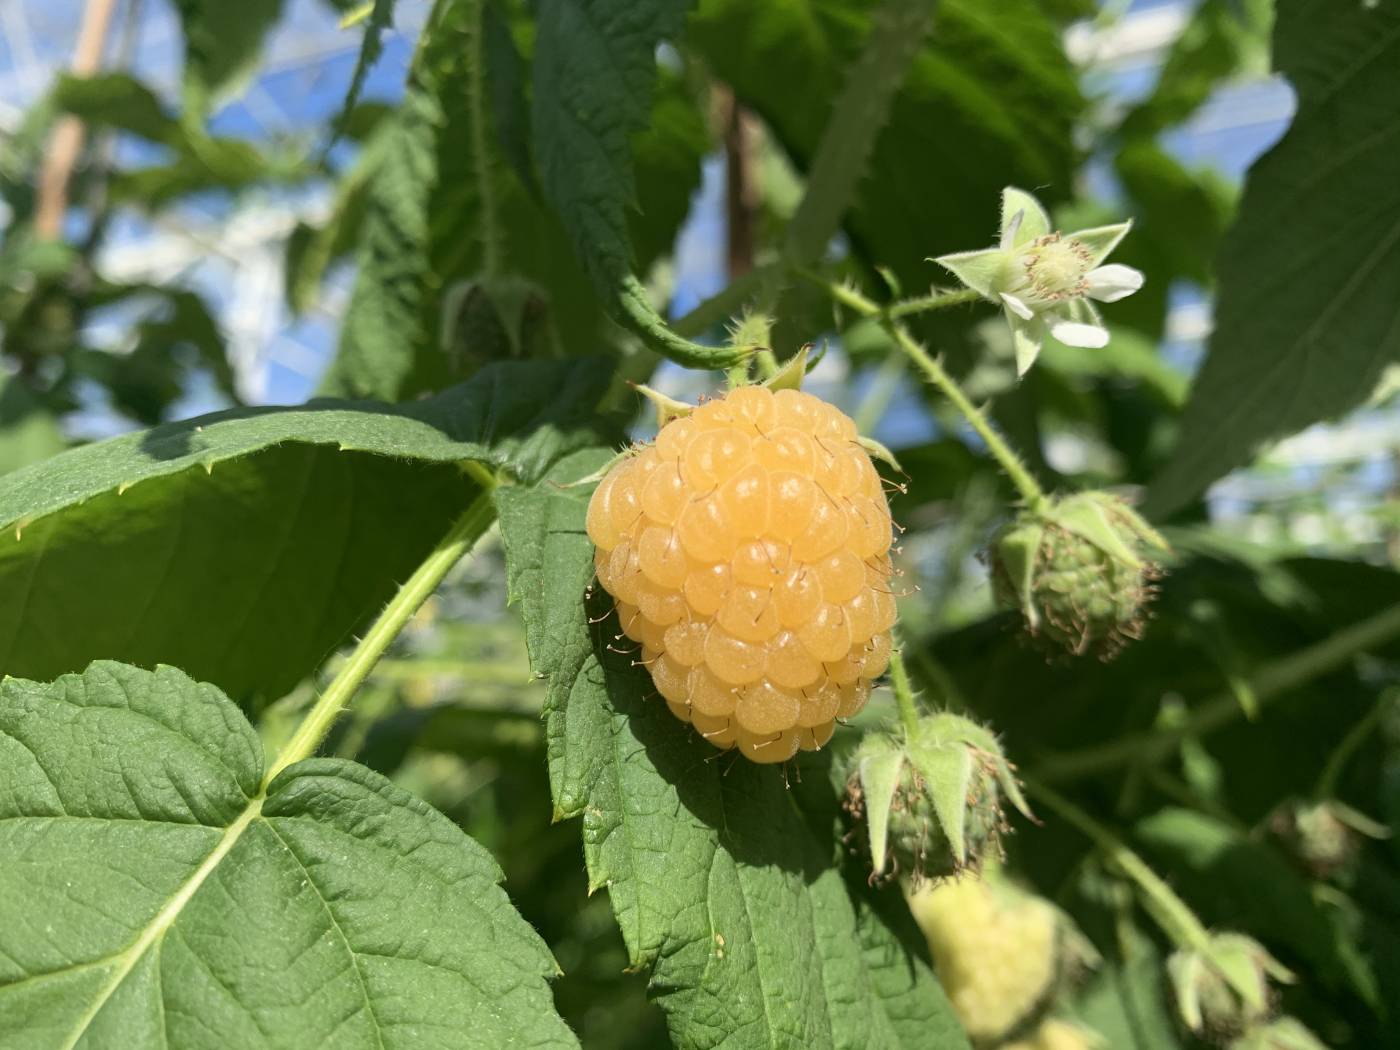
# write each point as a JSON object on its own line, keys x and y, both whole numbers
{"x": 903, "y": 692}
{"x": 481, "y": 159}
{"x": 1273, "y": 681}
{"x": 1026, "y": 485}
{"x": 459, "y": 539}
{"x": 1171, "y": 913}
{"x": 933, "y": 301}
{"x": 1356, "y": 736}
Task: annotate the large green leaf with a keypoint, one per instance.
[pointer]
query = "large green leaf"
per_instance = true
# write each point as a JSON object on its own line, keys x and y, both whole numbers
{"x": 154, "y": 892}
{"x": 426, "y": 223}
{"x": 200, "y": 161}
{"x": 991, "y": 99}
{"x": 728, "y": 885}
{"x": 1307, "y": 317}
{"x": 223, "y": 45}
{"x": 247, "y": 544}
{"x": 594, "y": 64}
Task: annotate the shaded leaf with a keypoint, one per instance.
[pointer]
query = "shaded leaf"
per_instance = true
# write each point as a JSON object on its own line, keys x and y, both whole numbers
{"x": 1306, "y": 320}
{"x": 247, "y": 544}
{"x": 154, "y": 892}
{"x": 223, "y": 45}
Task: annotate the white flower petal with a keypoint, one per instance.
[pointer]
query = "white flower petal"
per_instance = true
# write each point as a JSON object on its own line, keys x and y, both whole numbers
{"x": 1017, "y": 307}
{"x": 1110, "y": 283}
{"x": 1009, "y": 230}
{"x": 1072, "y": 333}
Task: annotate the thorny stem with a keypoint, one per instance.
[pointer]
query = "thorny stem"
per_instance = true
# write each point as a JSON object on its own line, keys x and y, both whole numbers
{"x": 463, "y": 535}
{"x": 1170, "y": 912}
{"x": 1268, "y": 684}
{"x": 903, "y": 693}
{"x": 1026, "y": 485}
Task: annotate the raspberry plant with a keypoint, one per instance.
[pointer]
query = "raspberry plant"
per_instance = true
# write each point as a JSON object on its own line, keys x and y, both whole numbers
{"x": 305, "y": 709}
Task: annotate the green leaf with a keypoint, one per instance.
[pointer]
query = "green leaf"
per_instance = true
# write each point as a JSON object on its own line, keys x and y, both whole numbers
{"x": 201, "y": 162}
{"x": 223, "y": 45}
{"x": 1306, "y": 318}
{"x": 1223, "y": 39}
{"x": 727, "y": 885}
{"x": 993, "y": 79}
{"x": 154, "y": 892}
{"x": 594, "y": 66}
{"x": 594, "y": 73}
{"x": 247, "y": 544}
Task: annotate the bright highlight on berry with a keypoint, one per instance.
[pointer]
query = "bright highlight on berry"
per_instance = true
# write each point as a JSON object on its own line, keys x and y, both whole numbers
{"x": 748, "y": 550}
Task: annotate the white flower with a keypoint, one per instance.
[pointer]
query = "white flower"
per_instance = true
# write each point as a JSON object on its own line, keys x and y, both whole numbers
{"x": 1043, "y": 280}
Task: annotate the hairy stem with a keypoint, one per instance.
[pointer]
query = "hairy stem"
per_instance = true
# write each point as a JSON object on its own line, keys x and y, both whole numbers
{"x": 1170, "y": 912}
{"x": 460, "y": 538}
{"x": 903, "y": 692}
{"x": 1272, "y": 681}
{"x": 1026, "y": 485}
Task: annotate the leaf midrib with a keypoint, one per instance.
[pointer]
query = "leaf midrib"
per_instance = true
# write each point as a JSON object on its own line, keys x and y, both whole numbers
{"x": 155, "y": 929}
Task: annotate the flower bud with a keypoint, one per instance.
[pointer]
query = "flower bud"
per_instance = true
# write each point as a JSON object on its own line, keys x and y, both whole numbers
{"x": 1077, "y": 570}
{"x": 931, "y": 799}
{"x": 1324, "y": 836}
{"x": 1223, "y": 987}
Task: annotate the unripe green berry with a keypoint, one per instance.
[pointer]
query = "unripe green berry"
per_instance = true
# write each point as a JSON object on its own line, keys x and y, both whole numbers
{"x": 1077, "y": 570}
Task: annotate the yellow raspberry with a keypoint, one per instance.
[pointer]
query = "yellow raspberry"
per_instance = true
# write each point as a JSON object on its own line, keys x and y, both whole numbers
{"x": 995, "y": 950}
{"x": 748, "y": 551}
{"x": 1054, "y": 1034}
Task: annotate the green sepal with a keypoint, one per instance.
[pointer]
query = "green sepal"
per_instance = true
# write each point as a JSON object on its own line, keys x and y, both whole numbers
{"x": 1017, "y": 550}
{"x": 947, "y": 773}
{"x": 1358, "y": 822}
{"x": 1084, "y": 515}
{"x": 1101, "y": 240}
{"x": 1185, "y": 969}
{"x": 980, "y": 270}
{"x": 667, "y": 408}
{"x": 1034, "y": 221}
{"x": 879, "y": 766}
{"x": 878, "y": 451}
{"x": 792, "y": 372}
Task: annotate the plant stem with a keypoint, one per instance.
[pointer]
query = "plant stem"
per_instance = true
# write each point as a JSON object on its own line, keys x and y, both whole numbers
{"x": 481, "y": 157}
{"x": 903, "y": 692}
{"x": 933, "y": 301}
{"x": 1171, "y": 913}
{"x": 460, "y": 538}
{"x": 1356, "y": 736}
{"x": 1026, "y": 485}
{"x": 1268, "y": 684}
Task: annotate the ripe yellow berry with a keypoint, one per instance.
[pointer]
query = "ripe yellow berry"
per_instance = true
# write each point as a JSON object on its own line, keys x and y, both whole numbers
{"x": 995, "y": 950}
{"x": 748, "y": 551}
